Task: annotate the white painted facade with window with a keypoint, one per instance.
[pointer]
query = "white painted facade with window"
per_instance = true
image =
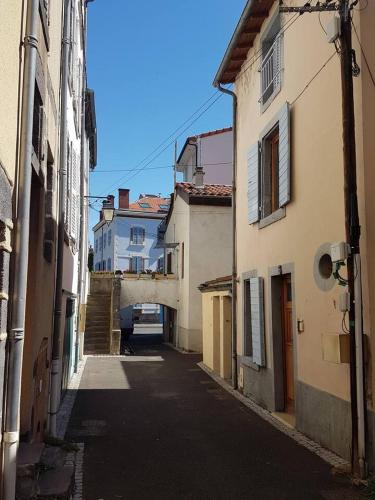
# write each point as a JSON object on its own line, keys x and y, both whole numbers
{"x": 129, "y": 244}
{"x": 213, "y": 151}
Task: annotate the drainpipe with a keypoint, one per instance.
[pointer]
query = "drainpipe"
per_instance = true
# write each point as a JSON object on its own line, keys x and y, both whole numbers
{"x": 56, "y": 354}
{"x": 21, "y": 244}
{"x": 360, "y": 373}
{"x": 194, "y": 144}
{"x": 83, "y": 225}
{"x": 234, "y": 236}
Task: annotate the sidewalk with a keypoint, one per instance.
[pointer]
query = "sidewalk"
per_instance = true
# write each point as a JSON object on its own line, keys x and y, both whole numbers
{"x": 155, "y": 426}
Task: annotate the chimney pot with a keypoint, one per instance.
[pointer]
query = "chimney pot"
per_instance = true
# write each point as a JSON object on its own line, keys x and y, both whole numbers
{"x": 199, "y": 177}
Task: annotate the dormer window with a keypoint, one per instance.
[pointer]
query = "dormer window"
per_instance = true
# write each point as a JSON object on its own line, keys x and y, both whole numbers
{"x": 270, "y": 71}
{"x": 144, "y": 205}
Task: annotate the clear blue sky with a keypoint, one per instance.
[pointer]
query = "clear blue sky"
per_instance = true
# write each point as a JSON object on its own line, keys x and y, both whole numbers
{"x": 151, "y": 65}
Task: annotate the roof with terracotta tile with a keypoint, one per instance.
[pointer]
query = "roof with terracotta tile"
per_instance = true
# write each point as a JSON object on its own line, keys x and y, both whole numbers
{"x": 208, "y": 190}
{"x": 154, "y": 204}
{"x": 212, "y": 132}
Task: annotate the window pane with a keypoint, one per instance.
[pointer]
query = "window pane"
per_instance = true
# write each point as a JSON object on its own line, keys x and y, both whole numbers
{"x": 248, "y": 349}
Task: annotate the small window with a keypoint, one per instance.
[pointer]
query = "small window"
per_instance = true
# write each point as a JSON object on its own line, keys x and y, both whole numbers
{"x": 169, "y": 263}
{"x": 164, "y": 207}
{"x": 96, "y": 246}
{"x": 109, "y": 237}
{"x": 270, "y": 71}
{"x": 100, "y": 243}
{"x": 144, "y": 205}
{"x": 104, "y": 240}
{"x": 137, "y": 235}
{"x": 182, "y": 260}
{"x": 109, "y": 264}
{"x": 103, "y": 265}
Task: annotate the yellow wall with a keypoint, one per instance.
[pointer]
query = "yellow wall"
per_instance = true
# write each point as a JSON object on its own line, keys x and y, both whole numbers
{"x": 315, "y": 214}
{"x": 216, "y": 331}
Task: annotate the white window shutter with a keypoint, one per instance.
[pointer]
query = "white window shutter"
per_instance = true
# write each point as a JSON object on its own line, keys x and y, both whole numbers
{"x": 67, "y": 193}
{"x": 75, "y": 205}
{"x": 284, "y": 156}
{"x": 253, "y": 183}
{"x": 257, "y": 320}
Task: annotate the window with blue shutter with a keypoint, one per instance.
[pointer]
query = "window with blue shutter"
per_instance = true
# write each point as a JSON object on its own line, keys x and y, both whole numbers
{"x": 284, "y": 156}
{"x": 253, "y": 183}
{"x": 257, "y": 320}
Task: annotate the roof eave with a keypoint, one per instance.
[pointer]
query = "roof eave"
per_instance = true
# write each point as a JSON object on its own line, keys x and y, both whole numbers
{"x": 237, "y": 33}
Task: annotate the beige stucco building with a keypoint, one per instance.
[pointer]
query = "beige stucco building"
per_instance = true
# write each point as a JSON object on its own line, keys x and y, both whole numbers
{"x": 290, "y": 209}
{"x": 199, "y": 246}
{"x": 34, "y": 116}
{"x": 217, "y": 325}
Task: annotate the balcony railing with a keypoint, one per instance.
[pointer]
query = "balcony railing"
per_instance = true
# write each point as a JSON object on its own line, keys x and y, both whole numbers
{"x": 271, "y": 71}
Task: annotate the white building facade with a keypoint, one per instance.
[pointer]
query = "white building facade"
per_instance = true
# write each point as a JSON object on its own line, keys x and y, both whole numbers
{"x": 129, "y": 242}
{"x": 211, "y": 151}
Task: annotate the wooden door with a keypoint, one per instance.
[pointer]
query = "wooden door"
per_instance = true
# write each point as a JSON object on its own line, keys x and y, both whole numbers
{"x": 287, "y": 309}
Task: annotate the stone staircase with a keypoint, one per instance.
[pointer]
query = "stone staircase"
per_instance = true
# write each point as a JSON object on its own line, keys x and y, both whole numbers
{"x": 98, "y": 323}
{"x": 44, "y": 472}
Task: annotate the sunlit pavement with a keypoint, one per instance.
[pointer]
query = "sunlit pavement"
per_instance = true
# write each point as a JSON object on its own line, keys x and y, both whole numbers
{"x": 155, "y": 426}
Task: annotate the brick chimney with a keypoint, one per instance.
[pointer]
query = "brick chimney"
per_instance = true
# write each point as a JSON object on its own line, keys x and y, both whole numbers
{"x": 123, "y": 198}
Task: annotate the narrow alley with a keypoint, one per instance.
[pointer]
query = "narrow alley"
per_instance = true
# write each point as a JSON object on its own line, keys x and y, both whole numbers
{"x": 154, "y": 425}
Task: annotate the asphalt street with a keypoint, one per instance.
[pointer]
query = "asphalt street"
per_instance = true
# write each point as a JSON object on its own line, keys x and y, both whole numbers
{"x": 155, "y": 426}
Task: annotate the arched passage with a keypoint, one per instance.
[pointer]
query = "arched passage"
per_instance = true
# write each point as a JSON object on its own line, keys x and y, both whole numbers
{"x": 152, "y": 291}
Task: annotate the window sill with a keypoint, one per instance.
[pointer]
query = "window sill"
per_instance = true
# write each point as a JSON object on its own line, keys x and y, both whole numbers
{"x": 248, "y": 362}
{"x": 274, "y": 217}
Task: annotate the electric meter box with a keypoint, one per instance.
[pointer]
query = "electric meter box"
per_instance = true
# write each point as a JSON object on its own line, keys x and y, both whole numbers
{"x": 339, "y": 251}
{"x": 333, "y": 29}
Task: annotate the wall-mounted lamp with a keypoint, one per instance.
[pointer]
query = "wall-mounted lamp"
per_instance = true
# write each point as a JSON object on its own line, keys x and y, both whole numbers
{"x": 108, "y": 209}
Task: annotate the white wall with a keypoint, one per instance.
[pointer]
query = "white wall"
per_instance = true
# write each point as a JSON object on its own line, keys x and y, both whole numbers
{"x": 215, "y": 154}
{"x": 205, "y": 231}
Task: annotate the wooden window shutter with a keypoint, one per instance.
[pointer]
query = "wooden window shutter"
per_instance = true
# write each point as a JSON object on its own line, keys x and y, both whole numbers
{"x": 143, "y": 234}
{"x": 257, "y": 320}
{"x": 284, "y": 156}
{"x": 253, "y": 183}
{"x": 131, "y": 234}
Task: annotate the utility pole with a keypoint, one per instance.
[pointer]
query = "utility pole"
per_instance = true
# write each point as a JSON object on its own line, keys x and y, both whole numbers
{"x": 175, "y": 164}
{"x": 352, "y": 227}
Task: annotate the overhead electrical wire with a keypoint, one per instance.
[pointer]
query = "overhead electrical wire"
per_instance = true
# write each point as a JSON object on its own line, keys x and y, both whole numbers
{"x": 156, "y": 168}
{"x": 250, "y": 63}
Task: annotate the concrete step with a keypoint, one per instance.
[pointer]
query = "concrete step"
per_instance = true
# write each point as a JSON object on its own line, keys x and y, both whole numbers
{"x": 96, "y": 342}
{"x": 97, "y": 329}
{"x": 97, "y": 318}
{"x": 28, "y": 460}
{"x": 96, "y": 337}
{"x": 97, "y": 321}
{"x": 100, "y": 325}
{"x": 56, "y": 483}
